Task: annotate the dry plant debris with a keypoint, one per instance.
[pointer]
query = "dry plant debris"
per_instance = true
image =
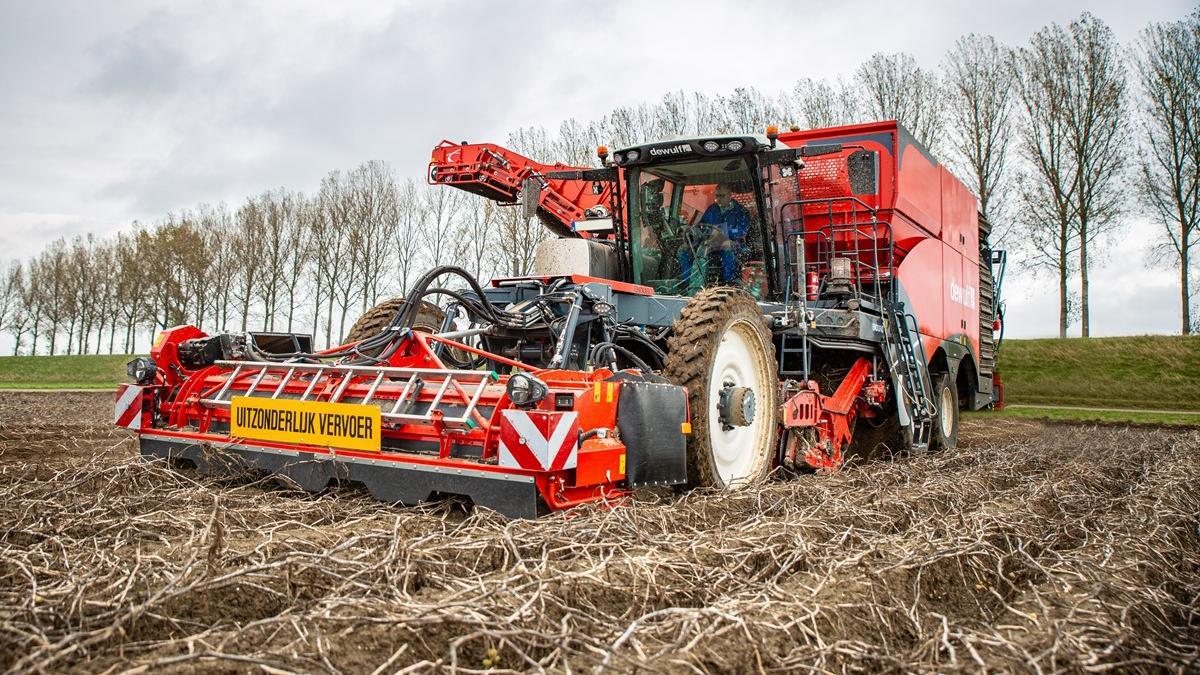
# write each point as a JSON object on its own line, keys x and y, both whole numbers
{"x": 1032, "y": 547}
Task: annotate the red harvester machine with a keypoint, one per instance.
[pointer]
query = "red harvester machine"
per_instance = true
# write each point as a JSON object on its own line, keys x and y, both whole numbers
{"x": 712, "y": 309}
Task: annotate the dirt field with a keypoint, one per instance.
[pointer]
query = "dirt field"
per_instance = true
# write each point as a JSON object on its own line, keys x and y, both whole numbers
{"x": 1032, "y": 547}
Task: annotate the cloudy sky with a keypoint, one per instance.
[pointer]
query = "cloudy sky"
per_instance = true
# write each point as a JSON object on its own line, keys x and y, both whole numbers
{"x": 112, "y": 112}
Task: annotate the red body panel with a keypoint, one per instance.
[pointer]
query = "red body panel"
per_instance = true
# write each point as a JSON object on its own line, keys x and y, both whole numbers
{"x": 933, "y": 220}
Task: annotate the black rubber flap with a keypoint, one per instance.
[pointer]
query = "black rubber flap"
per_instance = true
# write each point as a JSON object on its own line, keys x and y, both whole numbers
{"x": 650, "y": 417}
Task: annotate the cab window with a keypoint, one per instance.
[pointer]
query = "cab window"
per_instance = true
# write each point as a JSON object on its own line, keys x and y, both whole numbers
{"x": 695, "y": 224}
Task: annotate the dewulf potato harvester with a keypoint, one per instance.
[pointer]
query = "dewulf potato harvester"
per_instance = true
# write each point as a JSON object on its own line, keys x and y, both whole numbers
{"x": 712, "y": 308}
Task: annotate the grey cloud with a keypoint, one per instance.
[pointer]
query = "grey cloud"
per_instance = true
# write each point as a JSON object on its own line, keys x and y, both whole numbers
{"x": 143, "y": 63}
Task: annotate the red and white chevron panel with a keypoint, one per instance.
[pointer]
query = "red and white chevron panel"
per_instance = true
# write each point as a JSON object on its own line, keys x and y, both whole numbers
{"x": 130, "y": 411}
{"x": 537, "y": 440}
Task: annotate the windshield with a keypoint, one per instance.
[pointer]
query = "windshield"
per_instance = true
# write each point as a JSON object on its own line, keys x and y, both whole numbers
{"x": 695, "y": 224}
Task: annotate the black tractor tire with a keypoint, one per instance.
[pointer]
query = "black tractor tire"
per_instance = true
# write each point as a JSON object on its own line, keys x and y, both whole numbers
{"x": 374, "y": 320}
{"x": 716, "y": 328}
{"x": 944, "y": 435}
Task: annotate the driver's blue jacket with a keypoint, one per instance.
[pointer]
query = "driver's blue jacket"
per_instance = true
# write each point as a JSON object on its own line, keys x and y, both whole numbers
{"x": 733, "y": 222}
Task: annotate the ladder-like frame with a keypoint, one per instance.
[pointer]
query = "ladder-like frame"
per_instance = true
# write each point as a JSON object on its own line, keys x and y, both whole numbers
{"x": 271, "y": 380}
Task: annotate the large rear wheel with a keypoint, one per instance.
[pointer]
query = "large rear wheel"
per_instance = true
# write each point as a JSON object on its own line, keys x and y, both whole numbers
{"x": 721, "y": 351}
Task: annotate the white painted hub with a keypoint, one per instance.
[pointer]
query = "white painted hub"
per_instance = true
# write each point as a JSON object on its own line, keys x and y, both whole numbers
{"x": 740, "y": 362}
{"x": 946, "y": 405}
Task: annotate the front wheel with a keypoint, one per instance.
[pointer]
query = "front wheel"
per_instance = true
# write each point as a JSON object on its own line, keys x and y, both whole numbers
{"x": 944, "y": 435}
{"x": 721, "y": 351}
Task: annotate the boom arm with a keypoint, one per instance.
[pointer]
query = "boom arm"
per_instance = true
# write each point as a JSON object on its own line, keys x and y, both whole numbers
{"x": 494, "y": 172}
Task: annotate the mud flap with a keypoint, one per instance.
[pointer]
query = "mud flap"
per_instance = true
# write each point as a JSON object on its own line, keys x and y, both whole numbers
{"x": 514, "y": 496}
{"x": 651, "y": 419}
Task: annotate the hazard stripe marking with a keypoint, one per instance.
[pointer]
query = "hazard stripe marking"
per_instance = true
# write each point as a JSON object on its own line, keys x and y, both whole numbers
{"x": 523, "y": 444}
{"x": 123, "y": 400}
{"x": 128, "y": 411}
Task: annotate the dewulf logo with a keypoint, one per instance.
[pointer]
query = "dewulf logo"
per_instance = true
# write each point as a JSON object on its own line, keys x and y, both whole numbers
{"x": 964, "y": 296}
{"x": 673, "y": 150}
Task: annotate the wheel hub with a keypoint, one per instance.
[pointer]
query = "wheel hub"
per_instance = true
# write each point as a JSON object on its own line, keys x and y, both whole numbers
{"x": 735, "y": 406}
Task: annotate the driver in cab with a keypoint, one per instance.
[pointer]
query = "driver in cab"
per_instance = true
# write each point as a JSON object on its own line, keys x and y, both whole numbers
{"x": 730, "y": 223}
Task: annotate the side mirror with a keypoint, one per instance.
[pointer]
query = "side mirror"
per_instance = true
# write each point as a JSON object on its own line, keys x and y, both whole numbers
{"x": 531, "y": 195}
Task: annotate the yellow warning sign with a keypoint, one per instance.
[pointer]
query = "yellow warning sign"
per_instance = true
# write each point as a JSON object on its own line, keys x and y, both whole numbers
{"x": 336, "y": 425}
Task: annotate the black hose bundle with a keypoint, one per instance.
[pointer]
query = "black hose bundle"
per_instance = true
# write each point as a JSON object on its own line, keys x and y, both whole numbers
{"x": 537, "y": 313}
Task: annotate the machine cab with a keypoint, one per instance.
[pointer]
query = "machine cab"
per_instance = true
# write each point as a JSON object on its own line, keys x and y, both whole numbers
{"x": 695, "y": 214}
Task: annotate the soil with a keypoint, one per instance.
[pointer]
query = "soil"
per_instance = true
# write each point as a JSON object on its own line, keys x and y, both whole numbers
{"x": 1033, "y": 546}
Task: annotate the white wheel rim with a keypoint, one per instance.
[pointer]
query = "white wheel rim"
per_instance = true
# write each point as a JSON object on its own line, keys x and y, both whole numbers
{"x": 947, "y": 413}
{"x": 740, "y": 362}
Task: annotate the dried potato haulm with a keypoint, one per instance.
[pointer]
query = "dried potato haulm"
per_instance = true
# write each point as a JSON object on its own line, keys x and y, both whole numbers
{"x": 1032, "y": 546}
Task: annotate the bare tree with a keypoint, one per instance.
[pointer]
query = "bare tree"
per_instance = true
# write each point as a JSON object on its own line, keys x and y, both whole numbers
{"x": 32, "y": 305}
{"x": 1168, "y": 176}
{"x": 629, "y": 125}
{"x": 407, "y": 237}
{"x": 275, "y": 208}
{"x": 374, "y": 219}
{"x": 1047, "y": 186}
{"x": 897, "y": 88}
{"x": 440, "y": 211}
{"x": 50, "y": 278}
{"x": 86, "y": 291}
{"x": 132, "y": 286}
{"x": 106, "y": 270}
{"x": 819, "y": 104}
{"x": 675, "y": 115}
{"x": 981, "y": 105}
{"x": 476, "y": 235}
{"x": 10, "y": 302}
{"x": 749, "y": 110}
{"x": 299, "y": 254}
{"x": 170, "y": 265}
{"x": 575, "y": 144}
{"x": 338, "y": 246}
{"x": 1096, "y": 124}
{"x": 517, "y": 241}
{"x": 314, "y": 232}
{"x": 247, "y": 242}
{"x": 215, "y": 224}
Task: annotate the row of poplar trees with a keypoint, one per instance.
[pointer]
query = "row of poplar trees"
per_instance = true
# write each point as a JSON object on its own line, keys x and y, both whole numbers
{"x": 1064, "y": 139}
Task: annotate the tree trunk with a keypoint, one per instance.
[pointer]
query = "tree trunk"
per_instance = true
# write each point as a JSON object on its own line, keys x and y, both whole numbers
{"x": 329, "y": 321}
{"x": 1084, "y": 330}
{"x": 1184, "y": 288}
{"x": 342, "y": 323}
{"x": 1062, "y": 288}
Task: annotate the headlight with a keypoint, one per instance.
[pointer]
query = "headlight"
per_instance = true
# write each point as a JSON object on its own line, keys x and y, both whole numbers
{"x": 141, "y": 370}
{"x": 526, "y": 390}
{"x": 711, "y": 146}
{"x": 734, "y": 146}
{"x": 632, "y": 156}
